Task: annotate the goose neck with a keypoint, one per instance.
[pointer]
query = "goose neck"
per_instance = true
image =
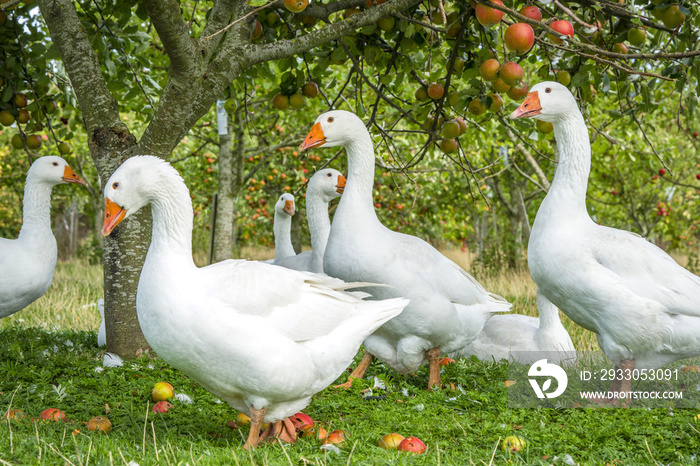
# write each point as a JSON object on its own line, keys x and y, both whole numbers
{"x": 36, "y": 209}
{"x": 319, "y": 228}
{"x": 548, "y": 312}
{"x": 360, "y": 181}
{"x": 282, "y": 229}
{"x": 574, "y": 161}
{"x": 172, "y": 214}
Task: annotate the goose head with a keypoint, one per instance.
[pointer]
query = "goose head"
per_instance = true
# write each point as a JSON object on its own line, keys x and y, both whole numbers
{"x": 547, "y": 101}
{"x": 132, "y": 186}
{"x": 327, "y": 184}
{"x": 334, "y": 128}
{"x": 53, "y": 170}
{"x": 285, "y": 204}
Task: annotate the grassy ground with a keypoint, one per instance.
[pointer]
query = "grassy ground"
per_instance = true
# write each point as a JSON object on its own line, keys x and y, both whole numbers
{"x": 49, "y": 358}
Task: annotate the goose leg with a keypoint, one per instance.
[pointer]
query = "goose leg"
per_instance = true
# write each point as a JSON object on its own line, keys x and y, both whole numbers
{"x": 281, "y": 430}
{"x": 256, "y": 421}
{"x": 433, "y": 359}
{"x": 627, "y": 366}
{"x": 359, "y": 371}
{"x": 619, "y": 385}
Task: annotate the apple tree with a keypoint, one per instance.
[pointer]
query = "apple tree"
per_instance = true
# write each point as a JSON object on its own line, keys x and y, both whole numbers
{"x": 434, "y": 80}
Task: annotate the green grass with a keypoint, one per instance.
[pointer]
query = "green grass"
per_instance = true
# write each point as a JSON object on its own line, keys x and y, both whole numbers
{"x": 46, "y": 361}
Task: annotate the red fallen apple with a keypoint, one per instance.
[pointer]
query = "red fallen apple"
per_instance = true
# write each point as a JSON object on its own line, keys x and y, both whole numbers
{"x": 100, "y": 423}
{"x": 162, "y": 407}
{"x": 488, "y": 16}
{"x": 300, "y": 420}
{"x": 53, "y": 414}
{"x": 390, "y": 441}
{"x": 563, "y": 27}
{"x": 413, "y": 445}
{"x": 531, "y": 12}
{"x": 337, "y": 437}
{"x": 162, "y": 391}
{"x": 519, "y": 37}
{"x": 445, "y": 361}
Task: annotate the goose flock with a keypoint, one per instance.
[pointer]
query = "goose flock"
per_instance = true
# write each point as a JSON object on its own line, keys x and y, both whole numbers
{"x": 266, "y": 350}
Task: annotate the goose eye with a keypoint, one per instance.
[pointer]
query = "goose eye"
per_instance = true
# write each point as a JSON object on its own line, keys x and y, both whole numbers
{"x": 548, "y": 90}
{"x": 115, "y": 185}
{"x": 330, "y": 119}
{"x": 55, "y": 164}
{"x": 329, "y": 175}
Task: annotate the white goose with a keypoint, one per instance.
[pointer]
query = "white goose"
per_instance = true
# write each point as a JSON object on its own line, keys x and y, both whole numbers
{"x": 282, "y": 228}
{"x": 643, "y": 306}
{"x": 448, "y": 306}
{"x": 102, "y": 331}
{"x": 525, "y": 339}
{"x": 27, "y": 263}
{"x": 261, "y": 337}
{"x": 324, "y": 186}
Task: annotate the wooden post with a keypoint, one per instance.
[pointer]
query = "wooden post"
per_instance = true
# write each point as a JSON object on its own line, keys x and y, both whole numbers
{"x": 212, "y": 230}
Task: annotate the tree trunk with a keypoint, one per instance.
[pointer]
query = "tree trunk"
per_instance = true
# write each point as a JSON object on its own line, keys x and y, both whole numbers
{"x": 110, "y": 143}
{"x": 230, "y": 183}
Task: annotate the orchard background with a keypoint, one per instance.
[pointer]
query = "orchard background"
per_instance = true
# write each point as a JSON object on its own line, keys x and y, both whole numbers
{"x": 101, "y": 81}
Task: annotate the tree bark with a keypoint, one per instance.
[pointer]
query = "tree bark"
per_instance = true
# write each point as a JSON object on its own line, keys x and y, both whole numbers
{"x": 225, "y": 200}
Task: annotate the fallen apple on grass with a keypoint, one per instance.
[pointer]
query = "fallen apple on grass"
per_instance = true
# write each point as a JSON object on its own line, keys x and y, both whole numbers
{"x": 52, "y": 414}
{"x": 15, "y": 414}
{"x": 242, "y": 420}
{"x": 337, "y": 437}
{"x": 162, "y": 407}
{"x": 390, "y": 441}
{"x": 412, "y": 445}
{"x": 300, "y": 420}
{"x": 513, "y": 444}
{"x": 162, "y": 391}
{"x": 100, "y": 423}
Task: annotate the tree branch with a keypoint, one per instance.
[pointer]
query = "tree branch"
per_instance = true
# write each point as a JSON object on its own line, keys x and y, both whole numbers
{"x": 265, "y": 52}
{"x": 219, "y": 17}
{"x": 173, "y": 32}
{"x": 592, "y": 48}
{"x": 96, "y": 103}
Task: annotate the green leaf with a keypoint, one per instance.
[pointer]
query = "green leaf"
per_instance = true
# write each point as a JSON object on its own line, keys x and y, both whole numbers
{"x": 580, "y": 79}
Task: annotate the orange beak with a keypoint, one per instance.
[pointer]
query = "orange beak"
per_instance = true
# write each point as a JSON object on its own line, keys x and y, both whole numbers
{"x": 289, "y": 207}
{"x": 69, "y": 176}
{"x": 340, "y": 187}
{"x": 529, "y": 108}
{"x": 315, "y": 138}
{"x": 113, "y": 216}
